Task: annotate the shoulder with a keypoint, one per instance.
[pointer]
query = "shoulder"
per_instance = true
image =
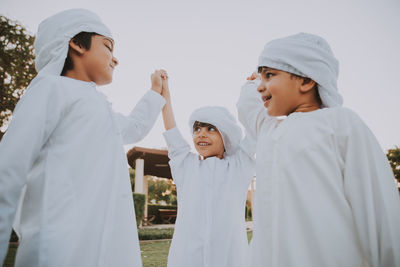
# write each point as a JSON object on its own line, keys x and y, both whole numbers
{"x": 345, "y": 116}
{"x": 347, "y": 123}
{"x": 45, "y": 84}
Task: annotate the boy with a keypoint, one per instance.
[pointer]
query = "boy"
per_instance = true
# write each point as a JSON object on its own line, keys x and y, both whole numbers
{"x": 210, "y": 229}
{"x": 66, "y": 145}
{"x": 325, "y": 191}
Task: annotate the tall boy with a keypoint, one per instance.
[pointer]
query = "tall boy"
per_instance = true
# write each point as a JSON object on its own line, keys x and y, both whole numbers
{"x": 210, "y": 229}
{"x": 325, "y": 191}
{"x": 66, "y": 145}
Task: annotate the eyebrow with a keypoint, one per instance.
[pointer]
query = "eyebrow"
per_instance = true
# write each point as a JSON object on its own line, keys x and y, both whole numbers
{"x": 265, "y": 69}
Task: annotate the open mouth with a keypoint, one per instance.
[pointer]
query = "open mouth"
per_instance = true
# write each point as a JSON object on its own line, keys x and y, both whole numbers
{"x": 203, "y": 144}
{"x": 266, "y": 99}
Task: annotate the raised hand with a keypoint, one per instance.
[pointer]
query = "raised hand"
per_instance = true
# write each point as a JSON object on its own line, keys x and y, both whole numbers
{"x": 165, "y": 88}
{"x": 156, "y": 81}
{"x": 254, "y": 76}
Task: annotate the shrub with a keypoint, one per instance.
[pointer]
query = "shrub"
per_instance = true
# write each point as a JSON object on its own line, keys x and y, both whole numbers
{"x": 138, "y": 201}
{"x": 153, "y": 234}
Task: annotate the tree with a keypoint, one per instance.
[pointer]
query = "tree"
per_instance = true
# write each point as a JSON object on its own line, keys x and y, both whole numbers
{"x": 161, "y": 190}
{"x": 393, "y": 156}
{"x": 17, "y": 67}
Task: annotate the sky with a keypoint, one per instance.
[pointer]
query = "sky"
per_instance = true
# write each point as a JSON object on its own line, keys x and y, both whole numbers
{"x": 209, "y": 47}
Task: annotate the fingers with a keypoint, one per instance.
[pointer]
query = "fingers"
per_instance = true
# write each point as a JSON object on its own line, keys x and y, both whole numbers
{"x": 253, "y": 76}
{"x": 156, "y": 81}
{"x": 164, "y": 74}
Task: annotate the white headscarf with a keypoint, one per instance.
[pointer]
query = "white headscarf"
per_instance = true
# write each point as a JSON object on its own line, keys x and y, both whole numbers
{"x": 226, "y": 124}
{"x": 306, "y": 55}
{"x": 54, "y": 33}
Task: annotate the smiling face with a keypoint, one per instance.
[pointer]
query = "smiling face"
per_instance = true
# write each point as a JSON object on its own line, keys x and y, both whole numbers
{"x": 98, "y": 62}
{"x": 280, "y": 91}
{"x": 207, "y": 140}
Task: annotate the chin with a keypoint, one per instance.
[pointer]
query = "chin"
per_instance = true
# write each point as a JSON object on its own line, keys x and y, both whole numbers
{"x": 104, "y": 82}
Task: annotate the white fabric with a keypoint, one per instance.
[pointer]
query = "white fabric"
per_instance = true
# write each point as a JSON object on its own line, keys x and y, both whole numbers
{"x": 66, "y": 144}
{"x": 309, "y": 56}
{"x": 325, "y": 192}
{"x": 226, "y": 124}
{"x": 54, "y": 33}
{"x": 210, "y": 230}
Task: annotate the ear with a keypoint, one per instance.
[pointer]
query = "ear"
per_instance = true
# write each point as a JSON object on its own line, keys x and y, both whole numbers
{"x": 307, "y": 85}
{"x": 75, "y": 47}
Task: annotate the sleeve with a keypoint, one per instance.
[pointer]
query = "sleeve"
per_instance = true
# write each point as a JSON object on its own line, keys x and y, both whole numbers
{"x": 246, "y": 159}
{"x": 138, "y": 124}
{"x": 178, "y": 152}
{"x": 371, "y": 191}
{"x": 34, "y": 119}
{"x": 251, "y": 111}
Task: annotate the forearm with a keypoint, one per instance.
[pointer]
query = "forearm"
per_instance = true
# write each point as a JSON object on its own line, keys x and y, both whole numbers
{"x": 251, "y": 112}
{"x": 142, "y": 118}
{"x": 168, "y": 114}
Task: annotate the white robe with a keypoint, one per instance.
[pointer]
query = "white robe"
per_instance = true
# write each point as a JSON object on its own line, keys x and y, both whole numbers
{"x": 66, "y": 144}
{"x": 210, "y": 229}
{"x": 325, "y": 193}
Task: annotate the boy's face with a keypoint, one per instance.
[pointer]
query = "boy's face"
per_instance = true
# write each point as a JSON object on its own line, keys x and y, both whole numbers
{"x": 207, "y": 140}
{"x": 279, "y": 91}
{"x": 98, "y": 61}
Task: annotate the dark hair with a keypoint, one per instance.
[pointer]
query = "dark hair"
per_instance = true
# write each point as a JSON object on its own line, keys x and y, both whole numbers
{"x": 305, "y": 81}
{"x": 202, "y": 124}
{"x": 83, "y": 39}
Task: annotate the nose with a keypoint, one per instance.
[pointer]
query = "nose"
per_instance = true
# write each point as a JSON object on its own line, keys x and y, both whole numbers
{"x": 203, "y": 131}
{"x": 115, "y": 61}
{"x": 261, "y": 88}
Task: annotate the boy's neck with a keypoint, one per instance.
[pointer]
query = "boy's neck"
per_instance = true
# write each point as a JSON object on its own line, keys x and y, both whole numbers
{"x": 77, "y": 75}
{"x": 216, "y": 156}
{"x": 307, "y": 108}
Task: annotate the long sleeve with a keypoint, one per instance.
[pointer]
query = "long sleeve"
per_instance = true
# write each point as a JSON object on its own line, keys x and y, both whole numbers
{"x": 371, "y": 192}
{"x": 178, "y": 151}
{"x": 142, "y": 118}
{"x": 35, "y": 117}
{"x": 251, "y": 111}
{"x": 245, "y": 157}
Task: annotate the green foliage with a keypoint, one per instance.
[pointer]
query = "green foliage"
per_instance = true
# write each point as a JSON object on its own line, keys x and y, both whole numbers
{"x": 162, "y": 190}
{"x": 393, "y": 156}
{"x": 132, "y": 176}
{"x": 248, "y": 213}
{"x": 139, "y": 201}
{"x": 17, "y": 67}
{"x": 154, "y": 234}
{"x": 152, "y": 209}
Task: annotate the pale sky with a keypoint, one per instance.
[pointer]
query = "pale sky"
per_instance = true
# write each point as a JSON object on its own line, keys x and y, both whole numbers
{"x": 209, "y": 47}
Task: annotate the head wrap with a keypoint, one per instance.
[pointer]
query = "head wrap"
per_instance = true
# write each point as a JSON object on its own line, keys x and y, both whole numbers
{"x": 54, "y": 33}
{"x": 226, "y": 124}
{"x": 306, "y": 55}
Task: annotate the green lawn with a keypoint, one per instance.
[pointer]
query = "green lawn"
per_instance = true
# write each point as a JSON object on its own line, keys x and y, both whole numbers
{"x": 154, "y": 252}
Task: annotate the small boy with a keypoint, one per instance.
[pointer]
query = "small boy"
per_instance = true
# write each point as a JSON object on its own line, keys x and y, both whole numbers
{"x": 325, "y": 191}
{"x": 210, "y": 229}
{"x": 65, "y": 144}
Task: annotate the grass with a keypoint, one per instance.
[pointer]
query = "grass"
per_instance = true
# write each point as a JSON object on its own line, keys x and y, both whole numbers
{"x": 12, "y": 250}
{"x": 154, "y": 252}
{"x": 155, "y": 234}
